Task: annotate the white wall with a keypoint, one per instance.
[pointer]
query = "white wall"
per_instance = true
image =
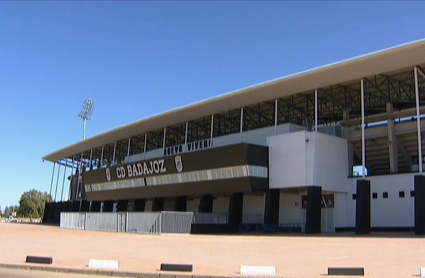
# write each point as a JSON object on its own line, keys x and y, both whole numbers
{"x": 304, "y": 158}
{"x": 290, "y": 209}
{"x": 169, "y": 204}
{"x": 221, "y": 205}
{"x": 192, "y": 205}
{"x": 329, "y": 155}
{"x": 148, "y": 205}
{"x": 257, "y": 136}
{"x": 287, "y": 165}
{"x": 391, "y": 212}
{"x": 253, "y": 208}
{"x": 343, "y": 215}
{"x": 289, "y": 127}
{"x": 149, "y": 155}
{"x": 226, "y": 140}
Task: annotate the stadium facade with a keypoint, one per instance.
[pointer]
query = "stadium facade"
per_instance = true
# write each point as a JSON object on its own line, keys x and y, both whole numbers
{"x": 282, "y": 153}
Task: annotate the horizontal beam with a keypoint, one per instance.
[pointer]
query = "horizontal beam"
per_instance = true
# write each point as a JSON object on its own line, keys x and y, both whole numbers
{"x": 384, "y": 116}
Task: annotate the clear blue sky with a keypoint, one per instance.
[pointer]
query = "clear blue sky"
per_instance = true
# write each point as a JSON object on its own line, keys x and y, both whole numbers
{"x": 137, "y": 59}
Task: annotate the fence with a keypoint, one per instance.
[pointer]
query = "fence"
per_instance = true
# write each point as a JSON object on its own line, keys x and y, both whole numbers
{"x": 130, "y": 222}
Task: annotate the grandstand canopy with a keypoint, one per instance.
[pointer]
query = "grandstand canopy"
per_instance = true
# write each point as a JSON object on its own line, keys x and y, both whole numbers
{"x": 388, "y": 78}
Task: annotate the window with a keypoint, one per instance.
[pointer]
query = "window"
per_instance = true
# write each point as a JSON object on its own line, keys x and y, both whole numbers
{"x": 412, "y": 193}
{"x": 354, "y": 196}
{"x": 326, "y": 202}
{"x": 374, "y": 195}
{"x": 385, "y": 195}
{"x": 401, "y": 194}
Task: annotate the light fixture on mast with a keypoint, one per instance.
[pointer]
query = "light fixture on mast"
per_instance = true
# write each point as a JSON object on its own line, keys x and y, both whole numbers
{"x": 85, "y": 113}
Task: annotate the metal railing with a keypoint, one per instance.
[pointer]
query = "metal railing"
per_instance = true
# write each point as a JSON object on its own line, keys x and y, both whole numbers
{"x": 130, "y": 222}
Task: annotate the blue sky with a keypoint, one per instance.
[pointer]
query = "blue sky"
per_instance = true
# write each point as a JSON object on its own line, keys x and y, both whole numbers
{"x": 138, "y": 59}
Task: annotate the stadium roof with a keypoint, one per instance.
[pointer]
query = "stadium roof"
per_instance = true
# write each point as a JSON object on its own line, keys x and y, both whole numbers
{"x": 389, "y": 61}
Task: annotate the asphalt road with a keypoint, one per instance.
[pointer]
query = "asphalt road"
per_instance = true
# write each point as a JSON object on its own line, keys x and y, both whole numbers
{"x": 23, "y": 273}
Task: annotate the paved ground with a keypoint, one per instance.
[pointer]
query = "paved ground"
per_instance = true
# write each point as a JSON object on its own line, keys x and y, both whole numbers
{"x": 381, "y": 254}
{"x": 21, "y": 273}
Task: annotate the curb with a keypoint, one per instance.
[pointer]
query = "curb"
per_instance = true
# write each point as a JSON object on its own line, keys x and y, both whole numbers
{"x": 114, "y": 273}
{"x": 111, "y": 273}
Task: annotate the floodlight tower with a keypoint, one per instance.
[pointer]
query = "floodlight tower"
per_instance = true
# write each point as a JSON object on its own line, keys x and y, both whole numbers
{"x": 85, "y": 113}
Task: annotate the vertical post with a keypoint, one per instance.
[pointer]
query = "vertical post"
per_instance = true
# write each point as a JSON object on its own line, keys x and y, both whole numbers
{"x": 144, "y": 146}
{"x": 275, "y": 116}
{"x": 81, "y": 162}
{"x": 101, "y": 159}
{"x": 63, "y": 183}
{"x": 185, "y": 135}
{"x": 128, "y": 149}
{"x": 212, "y": 129}
{"x": 57, "y": 181}
{"x": 363, "y": 207}
{"x": 84, "y": 128}
{"x": 163, "y": 141}
{"x": 315, "y": 110}
{"x": 418, "y": 120}
{"x": 313, "y": 210}
{"x": 419, "y": 185}
{"x": 51, "y": 182}
{"x": 72, "y": 179}
{"x": 91, "y": 156}
{"x": 113, "y": 155}
{"x": 363, "y": 128}
{"x": 392, "y": 143}
{"x": 241, "y": 124}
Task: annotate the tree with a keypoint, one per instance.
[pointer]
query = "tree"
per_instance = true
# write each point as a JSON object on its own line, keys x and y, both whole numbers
{"x": 32, "y": 203}
{"x": 9, "y": 210}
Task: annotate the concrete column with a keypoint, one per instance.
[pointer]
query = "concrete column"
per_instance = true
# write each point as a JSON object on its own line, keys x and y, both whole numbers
{"x": 314, "y": 210}
{"x": 122, "y": 205}
{"x": 85, "y": 206}
{"x": 108, "y": 206}
{"x": 181, "y": 203}
{"x": 419, "y": 205}
{"x": 236, "y": 210}
{"x": 139, "y": 205}
{"x": 206, "y": 204}
{"x": 363, "y": 207}
{"x": 392, "y": 142}
{"x": 271, "y": 210}
{"x": 158, "y": 204}
{"x": 95, "y": 206}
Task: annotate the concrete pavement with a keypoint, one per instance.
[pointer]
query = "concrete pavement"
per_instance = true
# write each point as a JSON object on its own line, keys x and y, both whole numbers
{"x": 293, "y": 255}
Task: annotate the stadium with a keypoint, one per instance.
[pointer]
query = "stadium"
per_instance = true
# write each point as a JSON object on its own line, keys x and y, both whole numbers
{"x": 334, "y": 148}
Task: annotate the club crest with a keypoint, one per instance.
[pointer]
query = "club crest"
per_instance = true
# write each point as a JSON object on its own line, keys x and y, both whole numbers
{"x": 179, "y": 163}
{"x": 108, "y": 174}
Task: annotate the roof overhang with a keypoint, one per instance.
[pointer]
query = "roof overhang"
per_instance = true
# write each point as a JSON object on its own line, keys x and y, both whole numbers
{"x": 387, "y": 61}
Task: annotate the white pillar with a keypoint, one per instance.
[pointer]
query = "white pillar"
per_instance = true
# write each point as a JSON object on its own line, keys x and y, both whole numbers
{"x": 315, "y": 110}
{"x": 212, "y": 129}
{"x": 144, "y": 146}
{"x": 51, "y": 182}
{"x": 241, "y": 124}
{"x": 91, "y": 156}
{"x": 392, "y": 143}
{"x": 128, "y": 149}
{"x": 163, "y": 141}
{"x": 275, "y": 116}
{"x": 113, "y": 155}
{"x": 101, "y": 159}
{"x": 363, "y": 129}
{"x": 418, "y": 120}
